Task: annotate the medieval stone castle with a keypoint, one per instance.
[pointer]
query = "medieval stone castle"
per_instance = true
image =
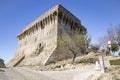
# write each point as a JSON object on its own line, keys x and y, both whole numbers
{"x": 38, "y": 42}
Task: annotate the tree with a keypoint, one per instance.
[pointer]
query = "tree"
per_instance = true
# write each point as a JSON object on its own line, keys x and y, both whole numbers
{"x": 107, "y": 52}
{"x": 87, "y": 41}
{"x": 114, "y": 47}
{"x": 94, "y": 48}
{"x": 103, "y": 42}
{"x": 103, "y": 50}
{"x": 110, "y": 35}
{"x": 76, "y": 43}
{"x": 113, "y": 34}
{"x": 79, "y": 43}
{"x": 119, "y": 53}
{"x": 118, "y": 32}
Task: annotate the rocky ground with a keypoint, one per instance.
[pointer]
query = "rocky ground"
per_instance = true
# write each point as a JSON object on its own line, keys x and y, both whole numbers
{"x": 67, "y": 64}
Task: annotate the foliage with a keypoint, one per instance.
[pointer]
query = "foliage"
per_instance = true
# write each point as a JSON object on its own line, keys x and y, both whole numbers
{"x": 62, "y": 41}
{"x": 103, "y": 50}
{"x": 113, "y": 34}
{"x": 107, "y": 52}
{"x": 115, "y": 62}
{"x": 114, "y": 47}
{"x": 76, "y": 42}
{"x": 118, "y": 32}
{"x": 119, "y": 53}
{"x": 94, "y": 48}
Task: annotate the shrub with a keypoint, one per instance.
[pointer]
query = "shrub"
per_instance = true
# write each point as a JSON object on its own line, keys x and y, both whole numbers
{"x": 115, "y": 62}
{"x": 119, "y": 53}
{"x": 94, "y": 48}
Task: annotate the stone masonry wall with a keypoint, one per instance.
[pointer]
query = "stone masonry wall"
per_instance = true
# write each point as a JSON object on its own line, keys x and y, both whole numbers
{"x": 38, "y": 42}
{"x": 61, "y": 53}
{"x": 39, "y": 45}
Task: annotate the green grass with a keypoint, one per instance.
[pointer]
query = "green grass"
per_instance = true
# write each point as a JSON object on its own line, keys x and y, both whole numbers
{"x": 115, "y": 62}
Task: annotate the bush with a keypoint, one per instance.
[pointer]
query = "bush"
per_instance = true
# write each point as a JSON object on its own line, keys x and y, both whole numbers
{"x": 107, "y": 52}
{"x": 94, "y": 48}
{"x": 115, "y": 62}
{"x": 119, "y": 53}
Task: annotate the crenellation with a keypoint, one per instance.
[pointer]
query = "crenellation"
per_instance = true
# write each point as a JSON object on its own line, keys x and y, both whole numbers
{"x": 43, "y": 22}
{"x": 63, "y": 19}
{"x": 66, "y": 12}
{"x": 46, "y": 21}
{"x": 69, "y": 22}
{"x": 66, "y": 21}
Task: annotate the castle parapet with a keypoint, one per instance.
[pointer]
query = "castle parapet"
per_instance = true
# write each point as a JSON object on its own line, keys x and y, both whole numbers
{"x": 56, "y": 13}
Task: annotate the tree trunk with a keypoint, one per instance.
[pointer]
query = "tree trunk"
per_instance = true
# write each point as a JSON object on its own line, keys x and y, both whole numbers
{"x": 74, "y": 56}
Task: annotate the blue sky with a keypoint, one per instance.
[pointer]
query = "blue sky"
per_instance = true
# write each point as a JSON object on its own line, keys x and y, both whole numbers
{"x": 95, "y": 15}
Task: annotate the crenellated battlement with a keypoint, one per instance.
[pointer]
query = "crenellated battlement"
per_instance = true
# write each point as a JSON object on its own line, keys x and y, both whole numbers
{"x": 58, "y": 13}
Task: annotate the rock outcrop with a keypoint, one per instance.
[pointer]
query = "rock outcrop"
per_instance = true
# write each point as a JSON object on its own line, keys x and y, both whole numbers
{"x": 2, "y": 65}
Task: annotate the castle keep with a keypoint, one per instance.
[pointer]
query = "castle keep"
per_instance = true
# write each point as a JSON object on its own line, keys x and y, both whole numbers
{"x": 38, "y": 42}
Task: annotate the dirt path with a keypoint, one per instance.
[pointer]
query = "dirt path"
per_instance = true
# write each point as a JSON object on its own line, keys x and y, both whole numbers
{"x": 84, "y": 73}
{"x": 20, "y": 74}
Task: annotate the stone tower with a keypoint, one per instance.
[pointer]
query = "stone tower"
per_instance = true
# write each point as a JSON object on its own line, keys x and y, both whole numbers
{"x": 38, "y": 42}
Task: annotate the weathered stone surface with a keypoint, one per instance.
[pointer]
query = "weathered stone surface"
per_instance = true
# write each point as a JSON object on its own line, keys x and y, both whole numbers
{"x": 38, "y": 42}
{"x": 2, "y": 65}
{"x": 15, "y": 61}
